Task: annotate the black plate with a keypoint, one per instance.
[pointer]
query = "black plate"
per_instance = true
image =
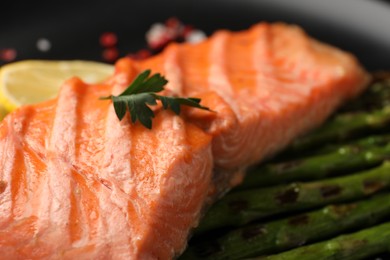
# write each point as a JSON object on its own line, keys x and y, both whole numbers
{"x": 73, "y": 28}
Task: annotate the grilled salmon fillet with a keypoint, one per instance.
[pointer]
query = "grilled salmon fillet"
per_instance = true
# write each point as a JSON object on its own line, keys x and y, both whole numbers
{"x": 77, "y": 183}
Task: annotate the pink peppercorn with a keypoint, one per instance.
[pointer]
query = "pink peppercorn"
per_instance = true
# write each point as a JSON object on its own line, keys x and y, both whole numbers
{"x": 110, "y": 54}
{"x": 8, "y": 54}
{"x": 108, "y": 39}
{"x": 172, "y": 22}
{"x": 140, "y": 55}
{"x": 187, "y": 30}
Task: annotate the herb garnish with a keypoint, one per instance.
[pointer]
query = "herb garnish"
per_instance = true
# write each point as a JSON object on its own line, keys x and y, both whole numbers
{"x": 141, "y": 93}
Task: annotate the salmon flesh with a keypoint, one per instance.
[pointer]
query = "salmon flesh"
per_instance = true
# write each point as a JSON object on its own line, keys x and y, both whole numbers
{"x": 77, "y": 183}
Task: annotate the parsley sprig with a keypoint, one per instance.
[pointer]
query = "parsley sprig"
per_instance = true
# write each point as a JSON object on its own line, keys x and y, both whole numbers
{"x": 141, "y": 93}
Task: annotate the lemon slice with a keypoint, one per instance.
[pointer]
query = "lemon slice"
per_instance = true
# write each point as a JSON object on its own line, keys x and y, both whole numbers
{"x": 3, "y": 112}
{"x": 34, "y": 81}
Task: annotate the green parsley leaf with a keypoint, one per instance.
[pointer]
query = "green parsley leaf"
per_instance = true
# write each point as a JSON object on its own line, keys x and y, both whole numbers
{"x": 142, "y": 93}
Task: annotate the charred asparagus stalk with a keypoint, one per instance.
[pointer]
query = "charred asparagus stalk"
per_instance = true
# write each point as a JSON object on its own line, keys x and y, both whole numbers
{"x": 276, "y": 236}
{"x": 347, "y": 158}
{"x": 241, "y": 207}
{"x": 359, "y": 245}
{"x": 365, "y": 142}
{"x": 344, "y": 127}
{"x": 375, "y": 97}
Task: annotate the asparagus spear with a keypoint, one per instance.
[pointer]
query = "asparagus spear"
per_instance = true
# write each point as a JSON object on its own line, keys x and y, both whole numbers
{"x": 344, "y": 127}
{"x": 241, "y": 207}
{"x": 365, "y": 142}
{"x": 359, "y": 245}
{"x": 375, "y": 97}
{"x": 345, "y": 159}
{"x": 276, "y": 236}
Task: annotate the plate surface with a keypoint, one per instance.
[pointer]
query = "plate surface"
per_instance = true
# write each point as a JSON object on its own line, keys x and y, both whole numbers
{"x": 73, "y": 27}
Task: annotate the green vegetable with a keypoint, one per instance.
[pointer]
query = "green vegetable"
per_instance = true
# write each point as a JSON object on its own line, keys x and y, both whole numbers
{"x": 141, "y": 93}
{"x": 344, "y": 127}
{"x": 376, "y": 96}
{"x": 341, "y": 160}
{"x": 280, "y": 235}
{"x": 359, "y": 245}
{"x": 241, "y": 207}
{"x": 362, "y": 143}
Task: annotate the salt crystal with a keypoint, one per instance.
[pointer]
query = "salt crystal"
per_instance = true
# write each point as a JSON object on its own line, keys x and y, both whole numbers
{"x": 43, "y": 45}
{"x": 195, "y": 36}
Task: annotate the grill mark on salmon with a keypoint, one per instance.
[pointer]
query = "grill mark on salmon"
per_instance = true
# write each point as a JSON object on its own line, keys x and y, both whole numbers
{"x": 61, "y": 156}
{"x": 78, "y": 183}
{"x": 218, "y": 79}
{"x": 10, "y": 158}
{"x": 172, "y": 70}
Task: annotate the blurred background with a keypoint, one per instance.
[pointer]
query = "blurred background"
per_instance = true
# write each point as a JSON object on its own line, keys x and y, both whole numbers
{"x": 74, "y": 29}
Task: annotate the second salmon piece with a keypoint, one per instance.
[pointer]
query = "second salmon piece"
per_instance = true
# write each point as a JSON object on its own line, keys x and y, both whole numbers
{"x": 268, "y": 84}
